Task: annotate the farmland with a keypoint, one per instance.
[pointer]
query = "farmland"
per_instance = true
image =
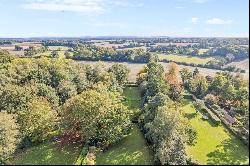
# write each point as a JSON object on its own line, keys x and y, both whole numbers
{"x": 184, "y": 58}
{"x": 135, "y": 68}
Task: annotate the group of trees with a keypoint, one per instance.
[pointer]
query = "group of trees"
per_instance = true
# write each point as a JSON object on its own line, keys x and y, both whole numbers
{"x": 90, "y": 52}
{"x": 32, "y": 51}
{"x": 229, "y": 91}
{"x": 162, "y": 122}
{"x": 41, "y": 96}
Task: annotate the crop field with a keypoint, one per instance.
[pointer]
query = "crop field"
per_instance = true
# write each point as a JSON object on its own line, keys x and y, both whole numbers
{"x": 214, "y": 144}
{"x": 185, "y": 58}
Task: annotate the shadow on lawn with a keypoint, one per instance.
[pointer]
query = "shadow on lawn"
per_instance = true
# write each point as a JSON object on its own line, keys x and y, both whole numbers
{"x": 48, "y": 154}
{"x": 229, "y": 152}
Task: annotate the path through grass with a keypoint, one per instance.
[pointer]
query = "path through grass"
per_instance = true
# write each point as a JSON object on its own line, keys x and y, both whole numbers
{"x": 215, "y": 144}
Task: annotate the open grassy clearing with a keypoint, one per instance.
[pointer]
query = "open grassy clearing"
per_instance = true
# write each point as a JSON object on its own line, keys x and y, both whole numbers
{"x": 48, "y": 153}
{"x": 215, "y": 144}
{"x": 185, "y": 58}
{"x": 132, "y": 150}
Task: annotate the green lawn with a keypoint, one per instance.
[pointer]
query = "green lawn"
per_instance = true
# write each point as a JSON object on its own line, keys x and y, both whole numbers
{"x": 185, "y": 58}
{"x": 47, "y": 154}
{"x": 215, "y": 144}
{"x": 133, "y": 98}
{"x": 132, "y": 150}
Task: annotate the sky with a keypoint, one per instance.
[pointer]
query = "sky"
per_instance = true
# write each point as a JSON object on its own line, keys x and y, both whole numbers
{"x": 78, "y": 18}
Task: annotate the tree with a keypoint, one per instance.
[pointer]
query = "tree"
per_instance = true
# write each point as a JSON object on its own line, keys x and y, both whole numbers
{"x": 186, "y": 76}
{"x": 120, "y": 71}
{"x": 168, "y": 134}
{"x": 175, "y": 91}
{"x": 199, "y": 86}
{"x": 210, "y": 99}
{"x": 98, "y": 116}
{"x": 9, "y": 136}
{"x": 54, "y": 54}
{"x": 66, "y": 90}
{"x": 6, "y": 57}
{"x": 18, "y": 48}
{"x": 37, "y": 120}
{"x": 13, "y": 97}
{"x": 196, "y": 72}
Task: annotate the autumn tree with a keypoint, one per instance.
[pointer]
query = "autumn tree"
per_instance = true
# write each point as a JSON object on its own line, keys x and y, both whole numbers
{"x": 172, "y": 79}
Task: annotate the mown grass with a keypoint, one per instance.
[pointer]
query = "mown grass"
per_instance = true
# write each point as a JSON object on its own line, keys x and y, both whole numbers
{"x": 215, "y": 144}
{"x": 48, "y": 153}
{"x": 185, "y": 58}
{"x": 132, "y": 150}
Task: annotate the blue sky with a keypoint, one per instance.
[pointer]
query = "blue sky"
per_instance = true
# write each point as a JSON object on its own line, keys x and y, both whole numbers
{"x": 74, "y": 18}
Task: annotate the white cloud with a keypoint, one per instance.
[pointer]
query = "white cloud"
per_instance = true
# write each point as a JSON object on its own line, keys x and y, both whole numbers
{"x": 218, "y": 21}
{"x": 194, "y": 20}
{"x": 80, "y": 6}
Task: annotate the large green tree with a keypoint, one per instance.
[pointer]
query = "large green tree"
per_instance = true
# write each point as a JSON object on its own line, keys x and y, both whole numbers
{"x": 37, "y": 120}
{"x": 98, "y": 115}
{"x": 9, "y": 136}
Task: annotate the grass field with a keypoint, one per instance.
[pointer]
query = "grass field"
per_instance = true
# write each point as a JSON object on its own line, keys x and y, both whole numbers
{"x": 47, "y": 154}
{"x": 185, "y": 58}
{"x": 132, "y": 150}
{"x": 215, "y": 144}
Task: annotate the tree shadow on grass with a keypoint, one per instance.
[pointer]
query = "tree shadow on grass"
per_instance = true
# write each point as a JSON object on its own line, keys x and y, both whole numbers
{"x": 190, "y": 116}
{"x": 48, "y": 154}
{"x": 230, "y": 151}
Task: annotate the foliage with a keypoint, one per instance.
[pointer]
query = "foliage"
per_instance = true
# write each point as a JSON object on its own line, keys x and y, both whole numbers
{"x": 199, "y": 86}
{"x": 210, "y": 99}
{"x": 98, "y": 115}
{"x": 120, "y": 71}
{"x": 175, "y": 90}
{"x": 9, "y": 136}
{"x": 37, "y": 120}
